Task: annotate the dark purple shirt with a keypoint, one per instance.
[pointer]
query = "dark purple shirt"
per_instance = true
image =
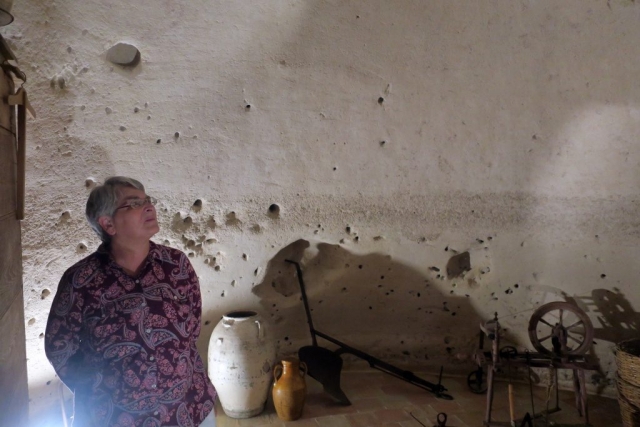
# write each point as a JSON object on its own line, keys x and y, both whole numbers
{"x": 126, "y": 345}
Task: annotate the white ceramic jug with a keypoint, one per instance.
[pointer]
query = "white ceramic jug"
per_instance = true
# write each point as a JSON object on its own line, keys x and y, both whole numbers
{"x": 241, "y": 356}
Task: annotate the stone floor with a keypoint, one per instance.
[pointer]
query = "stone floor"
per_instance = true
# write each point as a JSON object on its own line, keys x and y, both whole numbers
{"x": 379, "y": 399}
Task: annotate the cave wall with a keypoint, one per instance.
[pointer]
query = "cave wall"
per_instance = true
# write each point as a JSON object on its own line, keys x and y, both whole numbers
{"x": 391, "y": 136}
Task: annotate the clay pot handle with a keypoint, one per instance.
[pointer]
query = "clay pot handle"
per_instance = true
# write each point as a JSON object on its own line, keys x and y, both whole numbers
{"x": 303, "y": 369}
{"x": 260, "y": 330}
{"x": 277, "y": 372}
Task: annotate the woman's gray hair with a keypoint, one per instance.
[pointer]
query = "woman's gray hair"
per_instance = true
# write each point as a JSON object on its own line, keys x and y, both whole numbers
{"x": 103, "y": 201}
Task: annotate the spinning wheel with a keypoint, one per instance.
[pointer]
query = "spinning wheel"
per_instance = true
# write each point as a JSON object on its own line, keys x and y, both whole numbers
{"x": 477, "y": 381}
{"x": 561, "y": 333}
{"x": 561, "y": 329}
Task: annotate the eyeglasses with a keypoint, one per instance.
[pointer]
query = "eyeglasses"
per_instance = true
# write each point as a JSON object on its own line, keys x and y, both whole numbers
{"x": 138, "y": 203}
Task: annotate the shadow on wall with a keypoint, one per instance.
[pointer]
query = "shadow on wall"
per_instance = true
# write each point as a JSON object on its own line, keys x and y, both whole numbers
{"x": 613, "y": 317}
{"x": 369, "y": 301}
{"x": 618, "y": 320}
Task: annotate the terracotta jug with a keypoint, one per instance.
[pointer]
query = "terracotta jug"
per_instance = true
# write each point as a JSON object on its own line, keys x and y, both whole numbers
{"x": 289, "y": 388}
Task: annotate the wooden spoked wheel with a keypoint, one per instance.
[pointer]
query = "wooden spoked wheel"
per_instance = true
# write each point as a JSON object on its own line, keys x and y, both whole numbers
{"x": 560, "y": 328}
{"x": 477, "y": 381}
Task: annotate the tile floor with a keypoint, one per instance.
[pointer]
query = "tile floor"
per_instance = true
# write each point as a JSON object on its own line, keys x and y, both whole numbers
{"x": 379, "y": 399}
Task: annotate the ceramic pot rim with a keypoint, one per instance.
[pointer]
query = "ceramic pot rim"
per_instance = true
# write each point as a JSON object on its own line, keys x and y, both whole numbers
{"x": 240, "y": 314}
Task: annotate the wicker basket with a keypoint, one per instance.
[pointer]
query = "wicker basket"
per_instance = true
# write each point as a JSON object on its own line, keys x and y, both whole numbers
{"x": 629, "y": 413}
{"x": 628, "y": 361}
{"x": 630, "y": 392}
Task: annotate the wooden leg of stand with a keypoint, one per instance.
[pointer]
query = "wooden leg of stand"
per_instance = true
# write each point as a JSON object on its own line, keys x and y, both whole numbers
{"x": 487, "y": 419}
{"x": 583, "y": 396}
{"x": 576, "y": 391}
{"x": 557, "y": 390}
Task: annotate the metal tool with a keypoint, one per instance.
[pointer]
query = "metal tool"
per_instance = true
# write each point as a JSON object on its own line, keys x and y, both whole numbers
{"x": 325, "y": 365}
{"x": 527, "y": 421}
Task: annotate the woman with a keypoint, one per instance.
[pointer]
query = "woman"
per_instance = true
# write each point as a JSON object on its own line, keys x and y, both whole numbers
{"x": 124, "y": 323}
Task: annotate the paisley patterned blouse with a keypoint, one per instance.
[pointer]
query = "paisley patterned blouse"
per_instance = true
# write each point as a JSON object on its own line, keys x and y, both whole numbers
{"x": 126, "y": 345}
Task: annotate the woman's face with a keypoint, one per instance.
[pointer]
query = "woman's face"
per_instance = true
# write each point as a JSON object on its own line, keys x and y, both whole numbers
{"x": 137, "y": 222}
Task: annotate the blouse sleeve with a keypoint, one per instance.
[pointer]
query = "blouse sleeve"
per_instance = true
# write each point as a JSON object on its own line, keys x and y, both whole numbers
{"x": 62, "y": 335}
{"x": 195, "y": 300}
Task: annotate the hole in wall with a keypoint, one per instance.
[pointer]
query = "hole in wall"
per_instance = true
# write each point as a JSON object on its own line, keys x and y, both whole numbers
{"x": 458, "y": 265}
{"x": 274, "y": 210}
